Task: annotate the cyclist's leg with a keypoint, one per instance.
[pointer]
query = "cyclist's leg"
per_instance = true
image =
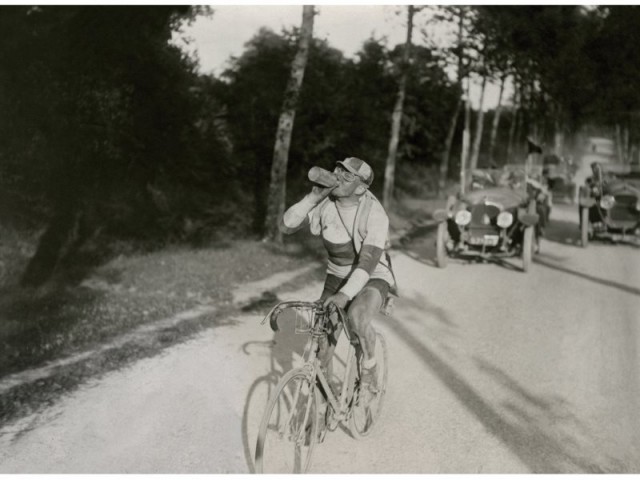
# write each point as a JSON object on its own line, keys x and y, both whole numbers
{"x": 361, "y": 312}
{"x": 331, "y": 285}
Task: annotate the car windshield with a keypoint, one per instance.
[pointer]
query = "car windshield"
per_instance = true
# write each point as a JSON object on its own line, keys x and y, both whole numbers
{"x": 511, "y": 176}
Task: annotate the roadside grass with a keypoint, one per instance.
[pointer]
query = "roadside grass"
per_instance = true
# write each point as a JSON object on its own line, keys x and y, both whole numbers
{"x": 128, "y": 291}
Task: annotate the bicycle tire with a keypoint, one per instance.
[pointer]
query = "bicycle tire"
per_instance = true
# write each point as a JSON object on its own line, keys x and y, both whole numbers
{"x": 299, "y": 432}
{"x": 364, "y": 417}
{"x": 270, "y": 381}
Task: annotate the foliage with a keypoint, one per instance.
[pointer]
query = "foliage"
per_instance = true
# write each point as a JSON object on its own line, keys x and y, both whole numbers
{"x": 344, "y": 109}
{"x": 109, "y": 129}
{"x": 108, "y": 125}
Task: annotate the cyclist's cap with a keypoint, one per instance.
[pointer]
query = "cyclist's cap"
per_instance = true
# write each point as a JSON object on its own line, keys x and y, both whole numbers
{"x": 359, "y": 167}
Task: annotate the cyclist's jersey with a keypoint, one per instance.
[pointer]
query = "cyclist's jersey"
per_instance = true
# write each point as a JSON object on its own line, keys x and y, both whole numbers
{"x": 350, "y": 249}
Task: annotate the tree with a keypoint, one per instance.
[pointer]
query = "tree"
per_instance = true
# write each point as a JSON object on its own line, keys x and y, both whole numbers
{"x": 459, "y": 17}
{"x": 496, "y": 121}
{"x": 477, "y": 139}
{"x": 93, "y": 122}
{"x": 396, "y": 117}
{"x": 466, "y": 139}
{"x": 339, "y": 112}
{"x": 277, "y": 189}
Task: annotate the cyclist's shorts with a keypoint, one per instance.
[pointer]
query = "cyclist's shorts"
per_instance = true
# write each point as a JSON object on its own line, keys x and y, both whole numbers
{"x": 332, "y": 284}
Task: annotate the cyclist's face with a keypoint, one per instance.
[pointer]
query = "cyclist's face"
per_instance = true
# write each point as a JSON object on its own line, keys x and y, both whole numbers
{"x": 348, "y": 182}
{"x": 344, "y": 174}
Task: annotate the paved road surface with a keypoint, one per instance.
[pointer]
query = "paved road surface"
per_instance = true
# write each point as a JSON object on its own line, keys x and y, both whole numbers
{"x": 491, "y": 371}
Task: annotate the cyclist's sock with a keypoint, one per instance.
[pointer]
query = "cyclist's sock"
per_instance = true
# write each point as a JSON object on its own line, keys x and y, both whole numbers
{"x": 369, "y": 363}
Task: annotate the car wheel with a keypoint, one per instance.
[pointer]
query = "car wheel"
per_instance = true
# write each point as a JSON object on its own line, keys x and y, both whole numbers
{"x": 584, "y": 227}
{"x": 527, "y": 249}
{"x": 441, "y": 245}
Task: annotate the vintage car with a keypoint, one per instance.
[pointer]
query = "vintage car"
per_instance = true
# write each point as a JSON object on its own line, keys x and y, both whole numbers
{"x": 610, "y": 204}
{"x": 501, "y": 214}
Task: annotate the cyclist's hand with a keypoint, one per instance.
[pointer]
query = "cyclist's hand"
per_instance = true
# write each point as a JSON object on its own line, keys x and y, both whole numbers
{"x": 339, "y": 299}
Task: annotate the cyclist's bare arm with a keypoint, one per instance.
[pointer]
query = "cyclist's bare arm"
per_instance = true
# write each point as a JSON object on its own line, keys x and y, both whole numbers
{"x": 297, "y": 215}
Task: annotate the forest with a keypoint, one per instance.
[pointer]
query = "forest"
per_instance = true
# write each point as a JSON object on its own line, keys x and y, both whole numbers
{"x": 111, "y": 137}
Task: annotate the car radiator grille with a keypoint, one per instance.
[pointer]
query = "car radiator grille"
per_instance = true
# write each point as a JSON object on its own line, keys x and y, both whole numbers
{"x": 483, "y": 220}
{"x": 624, "y": 210}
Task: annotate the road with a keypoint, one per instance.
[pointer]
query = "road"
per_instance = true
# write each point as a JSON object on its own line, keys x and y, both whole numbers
{"x": 491, "y": 371}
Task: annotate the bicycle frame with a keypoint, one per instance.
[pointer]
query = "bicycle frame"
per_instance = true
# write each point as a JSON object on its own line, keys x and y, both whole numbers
{"x": 339, "y": 403}
{"x": 301, "y": 391}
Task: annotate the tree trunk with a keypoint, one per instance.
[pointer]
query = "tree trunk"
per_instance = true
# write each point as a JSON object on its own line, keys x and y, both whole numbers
{"x": 277, "y": 187}
{"x": 396, "y": 117}
{"x": 558, "y": 137}
{"x": 53, "y": 243}
{"x": 512, "y": 128}
{"x": 446, "y": 154}
{"x": 477, "y": 141}
{"x": 619, "y": 143}
{"x": 625, "y": 150}
{"x": 521, "y": 122}
{"x": 496, "y": 121}
{"x": 444, "y": 161}
{"x": 464, "y": 155}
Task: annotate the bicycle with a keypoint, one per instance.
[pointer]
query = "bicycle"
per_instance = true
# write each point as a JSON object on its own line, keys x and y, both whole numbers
{"x": 290, "y": 429}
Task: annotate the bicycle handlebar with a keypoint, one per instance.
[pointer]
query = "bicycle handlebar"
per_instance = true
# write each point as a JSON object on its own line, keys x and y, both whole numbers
{"x": 280, "y": 307}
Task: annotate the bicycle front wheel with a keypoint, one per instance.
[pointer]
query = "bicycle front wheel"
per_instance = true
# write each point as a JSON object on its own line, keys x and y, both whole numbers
{"x": 289, "y": 428}
{"x": 367, "y": 406}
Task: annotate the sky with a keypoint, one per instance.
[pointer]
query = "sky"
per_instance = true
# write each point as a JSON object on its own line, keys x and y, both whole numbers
{"x": 345, "y": 27}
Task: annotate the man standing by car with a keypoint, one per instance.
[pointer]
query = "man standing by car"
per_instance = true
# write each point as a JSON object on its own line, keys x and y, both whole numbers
{"x": 594, "y": 184}
{"x": 355, "y": 231}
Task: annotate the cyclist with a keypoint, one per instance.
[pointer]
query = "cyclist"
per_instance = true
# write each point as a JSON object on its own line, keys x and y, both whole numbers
{"x": 355, "y": 230}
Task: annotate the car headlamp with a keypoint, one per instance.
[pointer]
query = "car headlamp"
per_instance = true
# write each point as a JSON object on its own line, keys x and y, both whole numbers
{"x": 505, "y": 219}
{"x": 607, "y": 202}
{"x": 463, "y": 217}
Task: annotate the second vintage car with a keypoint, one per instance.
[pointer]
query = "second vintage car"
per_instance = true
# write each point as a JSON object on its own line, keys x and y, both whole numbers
{"x": 501, "y": 214}
{"x": 610, "y": 204}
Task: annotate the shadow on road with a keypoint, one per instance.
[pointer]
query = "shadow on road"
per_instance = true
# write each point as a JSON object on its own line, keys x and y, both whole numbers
{"x": 563, "y": 232}
{"x": 281, "y": 351}
{"x": 537, "y": 440}
{"x": 421, "y": 304}
{"x": 420, "y": 244}
{"x": 591, "y": 278}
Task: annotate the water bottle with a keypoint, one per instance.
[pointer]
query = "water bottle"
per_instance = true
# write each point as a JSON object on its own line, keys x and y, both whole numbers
{"x": 323, "y": 177}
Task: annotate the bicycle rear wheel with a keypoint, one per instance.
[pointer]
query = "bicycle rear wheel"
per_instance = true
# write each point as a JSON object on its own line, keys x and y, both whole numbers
{"x": 366, "y": 406}
{"x": 289, "y": 428}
